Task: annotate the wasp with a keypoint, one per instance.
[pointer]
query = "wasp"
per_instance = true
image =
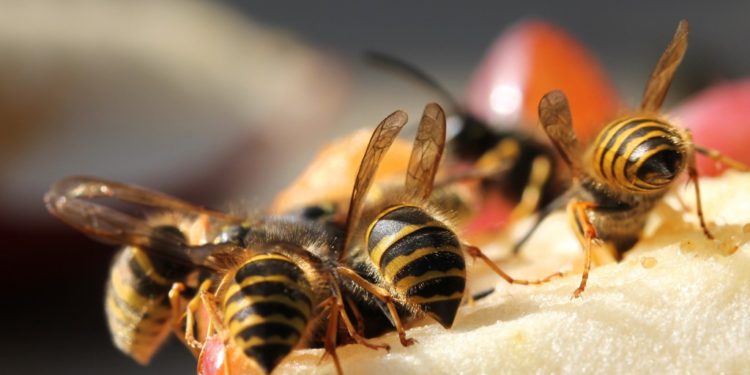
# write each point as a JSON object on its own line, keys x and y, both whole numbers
{"x": 402, "y": 239}
{"x": 137, "y": 300}
{"x": 272, "y": 282}
{"x": 510, "y": 162}
{"x": 629, "y": 167}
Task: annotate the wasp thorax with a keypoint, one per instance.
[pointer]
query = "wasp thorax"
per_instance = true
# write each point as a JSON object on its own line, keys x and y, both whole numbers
{"x": 640, "y": 154}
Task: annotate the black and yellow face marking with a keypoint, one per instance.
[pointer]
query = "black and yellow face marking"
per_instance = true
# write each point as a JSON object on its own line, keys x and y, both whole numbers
{"x": 420, "y": 258}
{"x": 267, "y": 308}
{"x": 136, "y": 302}
{"x": 639, "y": 154}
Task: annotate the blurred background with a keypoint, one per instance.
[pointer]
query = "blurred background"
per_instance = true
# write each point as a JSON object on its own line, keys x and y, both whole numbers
{"x": 228, "y": 100}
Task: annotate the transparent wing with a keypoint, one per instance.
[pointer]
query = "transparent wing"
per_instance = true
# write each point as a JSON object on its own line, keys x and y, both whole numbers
{"x": 71, "y": 200}
{"x": 426, "y": 152}
{"x": 380, "y": 142}
{"x": 554, "y": 116}
{"x": 661, "y": 78}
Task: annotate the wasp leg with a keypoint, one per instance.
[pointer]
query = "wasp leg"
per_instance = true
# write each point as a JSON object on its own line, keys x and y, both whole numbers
{"x": 190, "y": 340}
{"x": 227, "y": 366}
{"x": 175, "y": 302}
{"x": 350, "y": 327}
{"x": 586, "y": 234}
{"x": 541, "y": 169}
{"x": 470, "y": 299}
{"x": 205, "y": 299}
{"x": 357, "y": 316}
{"x": 382, "y": 295}
{"x": 329, "y": 341}
{"x": 551, "y": 207}
{"x": 475, "y": 253}
{"x": 693, "y": 175}
{"x": 482, "y": 294}
{"x": 721, "y": 158}
{"x": 208, "y": 301}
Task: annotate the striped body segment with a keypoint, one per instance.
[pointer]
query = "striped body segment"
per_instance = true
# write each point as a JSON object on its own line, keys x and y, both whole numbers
{"x": 137, "y": 303}
{"x": 420, "y": 259}
{"x": 267, "y": 308}
{"x": 642, "y": 154}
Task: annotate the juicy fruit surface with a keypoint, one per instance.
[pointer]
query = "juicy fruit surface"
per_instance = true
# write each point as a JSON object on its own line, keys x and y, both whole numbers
{"x": 677, "y": 303}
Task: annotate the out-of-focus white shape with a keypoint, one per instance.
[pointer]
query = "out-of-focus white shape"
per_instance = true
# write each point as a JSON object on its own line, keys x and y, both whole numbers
{"x": 195, "y": 46}
{"x": 150, "y": 90}
{"x": 506, "y": 100}
{"x": 453, "y": 125}
{"x": 678, "y": 303}
{"x": 495, "y": 93}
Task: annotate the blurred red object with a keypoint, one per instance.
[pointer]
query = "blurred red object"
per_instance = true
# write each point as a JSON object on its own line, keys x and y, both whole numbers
{"x": 719, "y": 118}
{"x": 211, "y": 360}
{"x": 217, "y": 358}
{"x": 535, "y": 57}
{"x": 524, "y": 63}
{"x": 527, "y": 61}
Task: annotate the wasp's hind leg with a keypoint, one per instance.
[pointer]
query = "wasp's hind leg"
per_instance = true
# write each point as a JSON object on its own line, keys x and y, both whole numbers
{"x": 475, "y": 253}
{"x": 206, "y": 299}
{"x": 179, "y": 320}
{"x": 353, "y": 332}
{"x": 331, "y": 307}
{"x": 693, "y": 174}
{"x": 382, "y": 295}
{"x": 557, "y": 203}
{"x": 587, "y": 235}
{"x": 717, "y": 156}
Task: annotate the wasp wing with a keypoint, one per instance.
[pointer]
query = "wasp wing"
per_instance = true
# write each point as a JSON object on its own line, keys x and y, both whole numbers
{"x": 661, "y": 78}
{"x": 426, "y": 152}
{"x": 554, "y": 116}
{"x": 380, "y": 142}
{"x": 93, "y": 187}
{"x": 70, "y": 200}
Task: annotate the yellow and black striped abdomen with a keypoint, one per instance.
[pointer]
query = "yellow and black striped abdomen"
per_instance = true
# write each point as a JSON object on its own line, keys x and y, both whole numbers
{"x": 420, "y": 258}
{"x": 267, "y": 308}
{"x": 137, "y": 302}
{"x": 641, "y": 154}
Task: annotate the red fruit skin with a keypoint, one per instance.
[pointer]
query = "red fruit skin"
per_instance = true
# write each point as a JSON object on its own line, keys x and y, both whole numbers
{"x": 491, "y": 217}
{"x": 529, "y": 60}
{"x": 211, "y": 360}
{"x": 719, "y": 118}
{"x": 220, "y": 358}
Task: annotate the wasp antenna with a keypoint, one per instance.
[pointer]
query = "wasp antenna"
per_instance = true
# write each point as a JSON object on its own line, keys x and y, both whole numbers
{"x": 389, "y": 62}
